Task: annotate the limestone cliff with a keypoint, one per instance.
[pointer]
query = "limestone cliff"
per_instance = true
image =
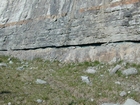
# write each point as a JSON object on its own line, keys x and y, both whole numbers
{"x": 40, "y": 23}
{"x": 33, "y": 24}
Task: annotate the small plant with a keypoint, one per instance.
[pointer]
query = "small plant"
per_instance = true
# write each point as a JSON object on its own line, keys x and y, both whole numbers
{"x": 3, "y": 58}
{"x": 96, "y": 63}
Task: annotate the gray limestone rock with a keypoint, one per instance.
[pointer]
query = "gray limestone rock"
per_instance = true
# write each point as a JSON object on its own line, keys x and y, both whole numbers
{"x": 3, "y": 65}
{"x": 130, "y": 71}
{"x": 115, "y": 69}
{"x": 131, "y": 102}
{"x": 38, "y": 24}
{"x": 117, "y": 82}
{"x": 39, "y": 101}
{"x": 34, "y": 24}
{"x": 107, "y": 104}
{"x": 123, "y": 93}
{"x": 39, "y": 81}
{"x": 81, "y": 54}
{"x": 85, "y": 79}
{"x": 20, "y": 68}
{"x": 10, "y": 62}
{"x": 91, "y": 70}
{"x": 9, "y": 103}
{"x": 91, "y": 99}
{"x": 110, "y": 104}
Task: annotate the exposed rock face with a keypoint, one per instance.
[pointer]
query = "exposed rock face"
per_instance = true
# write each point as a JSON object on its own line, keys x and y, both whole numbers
{"x": 26, "y": 24}
{"x": 40, "y": 23}
{"x": 129, "y": 52}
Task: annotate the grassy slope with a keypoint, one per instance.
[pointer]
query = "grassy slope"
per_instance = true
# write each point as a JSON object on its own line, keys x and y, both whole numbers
{"x": 64, "y": 85}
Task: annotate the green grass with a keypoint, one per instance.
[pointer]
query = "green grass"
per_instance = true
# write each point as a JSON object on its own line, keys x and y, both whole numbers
{"x": 64, "y": 85}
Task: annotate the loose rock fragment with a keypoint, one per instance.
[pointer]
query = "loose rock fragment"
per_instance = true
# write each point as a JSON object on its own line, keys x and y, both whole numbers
{"x": 123, "y": 93}
{"x": 85, "y": 79}
{"x": 130, "y": 71}
{"x": 10, "y": 62}
{"x": 20, "y": 68}
{"x": 115, "y": 69}
{"x": 39, "y": 101}
{"x": 91, "y": 70}
{"x": 91, "y": 99}
{"x": 117, "y": 82}
{"x": 39, "y": 81}
{"x": 109, "y": 104}
{"x": 9, "y": 103}
{"x": 131, "y": 102}
{"x": 3, "y": 65}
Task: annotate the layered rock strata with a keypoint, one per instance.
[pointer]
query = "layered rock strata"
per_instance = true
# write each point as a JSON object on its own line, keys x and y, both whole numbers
{"x": 112, "y": 53}
{"x": 34, "y": 24}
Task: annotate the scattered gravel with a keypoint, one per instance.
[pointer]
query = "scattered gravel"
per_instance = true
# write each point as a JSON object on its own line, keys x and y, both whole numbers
{"x": 129, "y": 88}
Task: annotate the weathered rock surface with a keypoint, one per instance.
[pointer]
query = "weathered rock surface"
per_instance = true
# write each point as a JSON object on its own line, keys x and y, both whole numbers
{"x": 34, "y": 24}
{"x": 26, "y": 24}
{"x": 113, "y": 52}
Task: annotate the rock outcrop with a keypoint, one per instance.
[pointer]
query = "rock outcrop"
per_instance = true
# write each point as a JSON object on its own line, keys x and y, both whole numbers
{"x": 34, "y": 24}
{"x": 112, "y": 53}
